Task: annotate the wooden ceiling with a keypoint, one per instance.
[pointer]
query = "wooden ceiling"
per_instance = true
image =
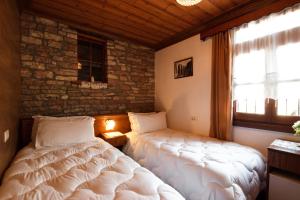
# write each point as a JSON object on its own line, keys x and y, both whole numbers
{"x": 154, "y": 23}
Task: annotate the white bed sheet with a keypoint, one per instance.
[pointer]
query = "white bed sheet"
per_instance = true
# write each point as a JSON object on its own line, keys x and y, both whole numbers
{"x": 93, "y": 170}
{"x": 200, "y": 167}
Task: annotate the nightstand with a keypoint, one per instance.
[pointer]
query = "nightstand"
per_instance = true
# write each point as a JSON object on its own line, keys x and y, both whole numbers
{"x": 116, "y": 139}
{"x": 283, "y": 170}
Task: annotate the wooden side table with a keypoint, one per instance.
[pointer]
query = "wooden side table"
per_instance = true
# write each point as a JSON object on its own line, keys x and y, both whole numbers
{"x": 116, "y": 139}
{"x": 284, "y": 163}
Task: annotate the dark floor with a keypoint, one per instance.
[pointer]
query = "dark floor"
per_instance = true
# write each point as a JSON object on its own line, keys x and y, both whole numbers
{"x": 262, "y": 195}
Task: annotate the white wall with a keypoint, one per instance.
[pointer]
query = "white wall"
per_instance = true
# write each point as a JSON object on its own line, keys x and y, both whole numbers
{"x": 187, "y": 97}
{"x": 259, "y": 139}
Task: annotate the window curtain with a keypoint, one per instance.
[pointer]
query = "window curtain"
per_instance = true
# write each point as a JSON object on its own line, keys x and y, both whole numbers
{"x": 221, "y": 104}
{"x": 266, "y": 63}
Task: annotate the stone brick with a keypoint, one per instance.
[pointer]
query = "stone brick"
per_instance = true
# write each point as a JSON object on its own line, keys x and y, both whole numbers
{"x": 43, "y": 74}
{"x": 51, "y": 36}
{"x": 67, "y": 72}
{"x": 36, "y": 34}
{"x": 25, "y": 73}
{"x": 54, "y": 44}
{"x": 45, "y": 21}
{"x": 64, "y": 97}
{"x": 66, "y": 78}
{"x": 26, "y": 57}
{"x": 33, "y": 65}
{"x": 123, "y": 78}
{"x": 72, "y": 35}
{"x": 111, "y": 76}
{"x": 31, "y": 40}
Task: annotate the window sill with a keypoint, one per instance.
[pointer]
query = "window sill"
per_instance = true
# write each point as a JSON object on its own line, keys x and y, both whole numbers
{"x": 91, "y": 85}
{"x": 264, "y": 126}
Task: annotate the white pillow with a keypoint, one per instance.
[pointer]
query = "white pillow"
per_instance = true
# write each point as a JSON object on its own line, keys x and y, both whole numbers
{"x": 132, "y": 119}
{"x": 36, "y": 119}
{"x": 143, "y": 123}
{"x": 52, "y": 131}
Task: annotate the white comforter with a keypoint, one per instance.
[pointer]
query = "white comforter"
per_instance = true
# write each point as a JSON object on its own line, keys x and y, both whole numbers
{"x": 200, "y": 167}
{"x": 93, "y": 170}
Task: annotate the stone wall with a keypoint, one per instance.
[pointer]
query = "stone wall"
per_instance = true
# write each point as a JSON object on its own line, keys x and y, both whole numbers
{"x": 49, "y": 74}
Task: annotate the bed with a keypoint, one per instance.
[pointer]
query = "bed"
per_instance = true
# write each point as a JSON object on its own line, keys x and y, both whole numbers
{"x": 199, "y": 167}
{"x": 85, "y": 170}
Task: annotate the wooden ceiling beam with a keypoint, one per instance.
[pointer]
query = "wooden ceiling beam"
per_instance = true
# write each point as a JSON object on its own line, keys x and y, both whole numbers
{"x": 142, "y": 8}
{"x": 210, "y": 7}
{"x": 138, "y": 14}
{"x": 156, "y": 10}
{"x": 126, "y": 17}
{"x": 175, "y": 10}
{"x": 224, "y": 5}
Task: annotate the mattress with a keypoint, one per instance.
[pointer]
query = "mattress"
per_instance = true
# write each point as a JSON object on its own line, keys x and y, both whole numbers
{"x": 200, "y": 167}
{"x": 93, "y": 170}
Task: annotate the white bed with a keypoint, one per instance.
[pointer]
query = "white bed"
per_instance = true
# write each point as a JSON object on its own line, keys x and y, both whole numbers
{"x": 200, "y": 167}
{"x": 90, "y": 170}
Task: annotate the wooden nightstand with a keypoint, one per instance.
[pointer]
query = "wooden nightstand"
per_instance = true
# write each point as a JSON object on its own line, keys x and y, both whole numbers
{"x": 116, "y": 139}
{"x": 283, "y": 170}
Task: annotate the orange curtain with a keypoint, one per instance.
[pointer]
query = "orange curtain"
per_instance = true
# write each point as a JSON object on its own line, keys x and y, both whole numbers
{"x": 221, "y": 106}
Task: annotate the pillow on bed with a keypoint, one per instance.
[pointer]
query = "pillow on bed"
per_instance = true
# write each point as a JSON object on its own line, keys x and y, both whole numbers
{"x": 52, "y": 131}
{"x": 132, "y": 119}
{"x": 147, "y": 122}
{"x": 36, "y": 119}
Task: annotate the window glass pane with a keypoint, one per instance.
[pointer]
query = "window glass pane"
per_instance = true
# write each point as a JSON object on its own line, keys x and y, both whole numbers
{"x": 249, "y": 67}
{"x": 84, "y": 72}
{"x": 288, "y": 101}
{"x": 288, "y": 61}
{"x": 250, "y": 98}
{"x": 98, "y": 53}
{"x": 83, "y": 50}
{"x": 98, "y": 74}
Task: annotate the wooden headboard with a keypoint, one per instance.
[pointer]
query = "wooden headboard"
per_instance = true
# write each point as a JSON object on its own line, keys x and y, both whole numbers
{"x": 122, "y": 125}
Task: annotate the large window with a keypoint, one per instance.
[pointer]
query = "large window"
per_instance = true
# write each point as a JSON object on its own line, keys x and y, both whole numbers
{"x": 266, "y": 72}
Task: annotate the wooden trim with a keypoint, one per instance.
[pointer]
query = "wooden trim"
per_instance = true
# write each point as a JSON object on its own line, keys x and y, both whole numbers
{"x": 244, "y": 14}
{"x": 91, "y": 38}
{"x": 264, "y": 126}
{"x": 268, "y": 121}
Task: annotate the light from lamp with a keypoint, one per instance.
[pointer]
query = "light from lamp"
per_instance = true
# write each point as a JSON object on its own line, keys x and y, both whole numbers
{"x": 110, "y": 124}
{"x": 188, "y": 2}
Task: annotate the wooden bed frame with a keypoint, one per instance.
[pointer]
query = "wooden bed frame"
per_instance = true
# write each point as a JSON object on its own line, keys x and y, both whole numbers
{"x": 122, "y": 125}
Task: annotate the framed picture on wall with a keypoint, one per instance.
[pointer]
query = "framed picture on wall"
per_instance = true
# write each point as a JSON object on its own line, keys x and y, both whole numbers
{"x": 183, "y": 68}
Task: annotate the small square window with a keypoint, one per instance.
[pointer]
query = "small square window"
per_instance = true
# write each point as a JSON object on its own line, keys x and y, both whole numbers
{"x": 92, "y": 65}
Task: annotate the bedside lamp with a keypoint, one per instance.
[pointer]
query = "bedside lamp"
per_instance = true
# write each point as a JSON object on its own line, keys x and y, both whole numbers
{"x": 110, "y": 124}
{"x": 115, "y": 138}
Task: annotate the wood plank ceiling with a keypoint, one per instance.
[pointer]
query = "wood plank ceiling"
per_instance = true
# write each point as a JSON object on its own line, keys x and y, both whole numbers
{"x": 154, "y": 23}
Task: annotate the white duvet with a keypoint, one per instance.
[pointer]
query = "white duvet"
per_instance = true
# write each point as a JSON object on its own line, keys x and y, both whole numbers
{"x": 93, "y": 170}
{"x": 200, "y": 167}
